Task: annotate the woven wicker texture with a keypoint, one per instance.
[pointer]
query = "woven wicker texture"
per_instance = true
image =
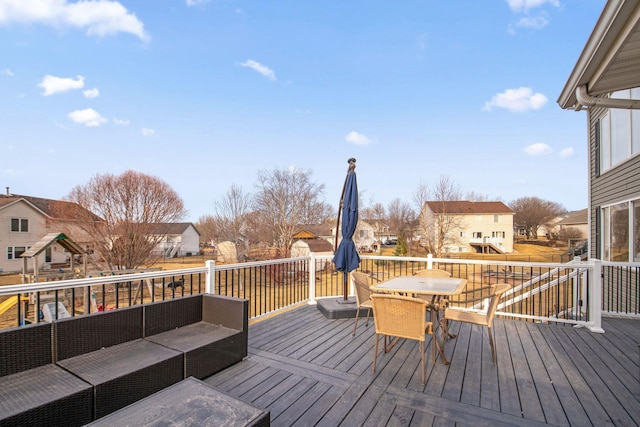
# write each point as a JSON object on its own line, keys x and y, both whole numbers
{"x": 25, "y": 347}
{"x": 480, "y": 318}
{"x": 433, "y": 272}
{"x": 362, "y": 283}
{"x": 80, "y": 335}
{"x": 164, "y": 316}
{"x": 400, "y": 316}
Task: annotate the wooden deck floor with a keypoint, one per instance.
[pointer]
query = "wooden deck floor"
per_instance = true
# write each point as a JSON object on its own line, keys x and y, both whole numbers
{"x": 308, "y": 370}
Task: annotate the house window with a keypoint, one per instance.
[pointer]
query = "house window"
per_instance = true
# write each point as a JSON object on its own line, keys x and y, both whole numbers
{"x": 619, "y": 132}
{"x": 14, "y": 252}
{"x": 496, "y": 218}
{"x": 615, "y": 221}
{"x": 462, "y": 234}
{"x": 477, "y": 234}
{"x": 19, "y": 225}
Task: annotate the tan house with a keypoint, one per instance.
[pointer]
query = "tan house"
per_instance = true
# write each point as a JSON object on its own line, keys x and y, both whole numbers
{"x": 484, "y": 227}
{"x": 578, "y": 220}
{"x": 25, "y": 220}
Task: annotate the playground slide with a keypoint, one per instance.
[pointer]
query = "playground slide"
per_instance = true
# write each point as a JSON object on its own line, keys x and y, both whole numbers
{"x": 10, "y": 302}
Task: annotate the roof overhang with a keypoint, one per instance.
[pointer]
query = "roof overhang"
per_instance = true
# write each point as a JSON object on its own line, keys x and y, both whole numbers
{"x": 610, "y": 60}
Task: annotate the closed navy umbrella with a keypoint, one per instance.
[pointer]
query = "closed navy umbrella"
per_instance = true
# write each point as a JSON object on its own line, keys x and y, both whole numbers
{"x": 346, "y": 258}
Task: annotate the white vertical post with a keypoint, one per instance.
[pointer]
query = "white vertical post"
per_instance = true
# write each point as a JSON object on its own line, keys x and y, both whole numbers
{"x": 312, "y": 278}
{"x": 210, "y": 285}
{"x": 595, "y": 300}
{"x": 430, "y": 261}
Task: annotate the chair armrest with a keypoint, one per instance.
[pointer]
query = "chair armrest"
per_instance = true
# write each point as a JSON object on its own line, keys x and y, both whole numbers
{"x": 226, "y": 311}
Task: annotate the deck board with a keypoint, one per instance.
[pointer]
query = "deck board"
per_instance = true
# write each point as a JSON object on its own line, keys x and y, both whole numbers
{"x": 309, "y": 370}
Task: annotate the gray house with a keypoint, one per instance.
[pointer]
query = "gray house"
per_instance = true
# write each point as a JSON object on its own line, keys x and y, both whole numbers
{"x": 606, "y": 83}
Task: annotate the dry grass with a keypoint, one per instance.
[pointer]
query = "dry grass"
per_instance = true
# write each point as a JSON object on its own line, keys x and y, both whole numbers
{"x": 541, "y": 253}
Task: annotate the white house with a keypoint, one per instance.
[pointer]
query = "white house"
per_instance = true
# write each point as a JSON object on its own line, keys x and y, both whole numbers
{"x": 178, "y": 239}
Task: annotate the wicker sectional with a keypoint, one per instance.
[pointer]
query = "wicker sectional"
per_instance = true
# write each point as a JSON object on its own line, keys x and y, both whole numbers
{"x": 75, "y": 370}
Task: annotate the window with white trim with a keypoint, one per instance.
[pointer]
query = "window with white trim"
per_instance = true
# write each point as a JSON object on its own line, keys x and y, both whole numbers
{"x": 621, "y": 231}
{"x": 14, "y": 252}
{"x": 619, "y": 137}
{"x": 19, "y": 225}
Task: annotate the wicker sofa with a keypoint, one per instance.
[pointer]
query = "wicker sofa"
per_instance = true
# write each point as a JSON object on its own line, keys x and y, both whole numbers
{"x": 35, "y": 391}
{"x": 75, "y": 370}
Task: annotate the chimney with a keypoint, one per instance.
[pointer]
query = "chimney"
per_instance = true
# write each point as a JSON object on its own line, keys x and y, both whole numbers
{"x": 8, "y": 192}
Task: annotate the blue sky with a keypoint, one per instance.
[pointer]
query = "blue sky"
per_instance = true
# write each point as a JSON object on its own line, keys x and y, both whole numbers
{"x": 203, "y": 94}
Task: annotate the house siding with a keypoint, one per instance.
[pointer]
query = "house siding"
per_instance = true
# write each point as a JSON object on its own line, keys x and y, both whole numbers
{"x": 617, "y": 184}
{"x": 38, "y": 227}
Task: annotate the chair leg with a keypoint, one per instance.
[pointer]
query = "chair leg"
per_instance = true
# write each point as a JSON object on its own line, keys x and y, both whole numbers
{"x": 422, "y": 359}
{"x": 493, "y": 350}
{"x": 368, "y": 314}
{"x": 375, "y": 353}
{"x": 355, "y": 326}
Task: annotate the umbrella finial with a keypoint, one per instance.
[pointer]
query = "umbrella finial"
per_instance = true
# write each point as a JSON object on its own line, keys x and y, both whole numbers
{"x": 352, "y": 164}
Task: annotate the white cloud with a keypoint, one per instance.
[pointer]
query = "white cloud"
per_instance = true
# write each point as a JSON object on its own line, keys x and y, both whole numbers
{"x": 99, "y": 17}
{"x": 88, "y": 117}
{"x": 148, "y": 132}
{"x": 53, "y": 85}
{"x": 525, "y": 5}
{"x": 258, "y": 67}
{"x": 538, "y": 149}
{"x": 196, "y": 2}
{"x": 357, "y": 138}
{"x": 7, "y": 72}
{"x": 517, "y": 100}
{"x": 121, "y": 122}
{"x": 11, "y": 172}
{"x": 534, "y": 23}
{"x": 567, "y": 152}
{"x": 91, "y": 93}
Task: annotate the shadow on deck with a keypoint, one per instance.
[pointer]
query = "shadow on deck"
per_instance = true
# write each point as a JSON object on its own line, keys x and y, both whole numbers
{"x": 309, "y": 370}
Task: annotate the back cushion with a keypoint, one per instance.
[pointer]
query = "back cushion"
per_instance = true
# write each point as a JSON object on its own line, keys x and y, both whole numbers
{"x": 25, "y": 347}
{"x": 171, "y": 314}
{"x": 84, "y": 334}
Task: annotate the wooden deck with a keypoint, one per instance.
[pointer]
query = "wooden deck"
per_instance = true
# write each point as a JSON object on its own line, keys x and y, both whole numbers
{"x": 309, "y": 370}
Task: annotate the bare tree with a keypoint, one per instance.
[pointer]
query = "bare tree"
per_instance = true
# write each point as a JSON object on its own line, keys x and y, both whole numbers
{"x": 208, "y": 229}
{"x": 401, "y": 218}
{"x": 438, "y": 221}
{"x": 230, "y": 214}
{"x": 283, "y": 200}
{"x": 532, "y": 212}
{"x": 133, "y": 209}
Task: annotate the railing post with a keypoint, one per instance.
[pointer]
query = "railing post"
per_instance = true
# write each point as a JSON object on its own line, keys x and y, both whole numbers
{"x": 312, "y": 278}
{"x": 595, "y": 300}
{"x": 430, "y": 261}
{"x": 210, "y": 285}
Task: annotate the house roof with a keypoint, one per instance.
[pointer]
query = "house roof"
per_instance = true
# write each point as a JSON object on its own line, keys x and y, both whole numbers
{"x": 318, "y": 245}
{"x": 173, "y": 227}
{"x": 575, "y": 218}
{"x": 610, "y": 60}
{"x": 466, "y": 207}
{"x": 57, "y": 209}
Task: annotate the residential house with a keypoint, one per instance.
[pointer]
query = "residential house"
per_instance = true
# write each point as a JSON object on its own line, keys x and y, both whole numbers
{"x": 177, "y": 239}
{"x": 577, "y": 220}
{"x": 605, "y": 82}
{"x": 25, "y": 220}
{"x": 364, "y": 236}
{"x": 485, "y": 227}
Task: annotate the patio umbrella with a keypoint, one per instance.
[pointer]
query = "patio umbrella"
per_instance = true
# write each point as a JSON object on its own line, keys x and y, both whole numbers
{"x": 346, "y": 258}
